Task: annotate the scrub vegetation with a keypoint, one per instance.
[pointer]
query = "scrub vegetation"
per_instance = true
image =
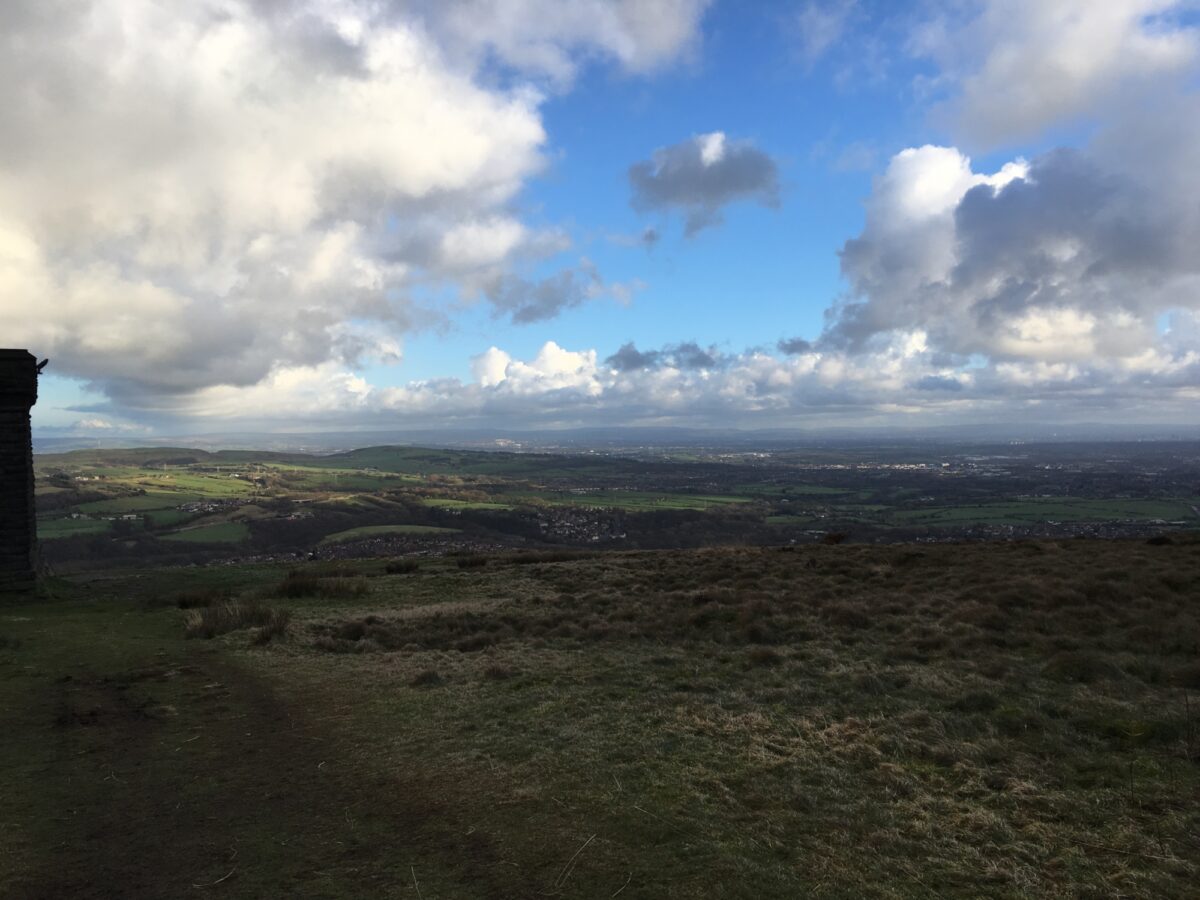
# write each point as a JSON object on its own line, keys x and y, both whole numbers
{"x": 985, "y": 720}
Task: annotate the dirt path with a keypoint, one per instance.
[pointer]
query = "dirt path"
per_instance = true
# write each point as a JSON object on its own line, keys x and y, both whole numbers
{"x": 185, "y": 775}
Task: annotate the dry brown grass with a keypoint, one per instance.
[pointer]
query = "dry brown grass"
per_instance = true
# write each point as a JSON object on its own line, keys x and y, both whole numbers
{"x": 298, "y": 584}
{"x": 235, "y": 615}
{"x": 954, "y": 720}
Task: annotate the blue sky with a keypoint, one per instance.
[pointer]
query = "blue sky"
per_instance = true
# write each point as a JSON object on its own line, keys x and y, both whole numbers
{"x": 777, "y": 267}
{"x": 346, "y": 214}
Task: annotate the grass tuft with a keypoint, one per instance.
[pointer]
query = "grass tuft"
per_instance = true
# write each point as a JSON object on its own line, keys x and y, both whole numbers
{"x": 234, "y": 615}
{"x": 297, "y": 584}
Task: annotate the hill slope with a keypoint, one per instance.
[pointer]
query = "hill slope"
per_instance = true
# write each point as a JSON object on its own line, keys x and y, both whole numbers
{"x": 973, "y": 720}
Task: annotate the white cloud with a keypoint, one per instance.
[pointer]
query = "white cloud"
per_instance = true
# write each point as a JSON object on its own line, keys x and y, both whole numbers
{"x": 1043, "y": 282}
{"x": 909, "y": 245}
{"x": 319, "y": 390}
{"x": 927, "y": 182}
{"x": 93, "y": 424}
{"x": 712, "y": 148}
{"x": 97, "y": 425}
{"x": 901, "y": 379}
{"x": 1022, "y": 66}
{"x": 820, "y": 26}
{"x": 490, "y": 367}
{"x": 250, "y": 184}
{"x": 552, "y": 37}
{"x": 473, "y": 245}
{"x": 553, "y": 369}
{"x": 208, "y": 194}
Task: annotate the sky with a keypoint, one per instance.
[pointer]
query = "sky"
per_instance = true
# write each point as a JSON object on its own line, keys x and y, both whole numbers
{"x": 339, "y": 215}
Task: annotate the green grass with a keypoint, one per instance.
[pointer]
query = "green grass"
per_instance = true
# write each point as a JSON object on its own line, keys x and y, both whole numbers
{"x": 365, "y": 531}
{"x": 216, "y": 486}
{"x": 316, "y": 478}
{"x": 446, "y": 503}
{"x": 221, "y": 533}
{"x": 50, "y": 529}
{"x": 797, "y": 521}
{"x": 162, "y": 518}
{"x": 978, "y": 720}
{"x": 151, "y": 500}
{"x": 1027, "y": 512}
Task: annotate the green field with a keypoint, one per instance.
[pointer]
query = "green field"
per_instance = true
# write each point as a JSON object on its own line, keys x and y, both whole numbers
{"x": 49, "y": 529}
{"x": 316, "y": 478}
{"x": 140, "y": 502}
{"x": 216, "y": 486}
{"x": 1028, "y": 512}
{"x": 366, "y": 531}
{"x": 163, "y": 518}
{"x": 794, "y": 521}
{"x": 445, "y": 503}
{"x": 221, "y": 533}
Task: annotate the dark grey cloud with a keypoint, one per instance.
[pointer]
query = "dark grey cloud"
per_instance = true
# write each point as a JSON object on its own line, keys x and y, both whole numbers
{"x": 629, "y": 358}
{"x": 525, "y": 301}
{"x": 690, "y": 355}
{"x": 794, "y": 346}
{"x": 687, "y": 355}
{"x": 699, "y": 177}
{"x": 1067, "y": 218}
{"x": 938, "y": 383}
{"x": 1076, "y": 257}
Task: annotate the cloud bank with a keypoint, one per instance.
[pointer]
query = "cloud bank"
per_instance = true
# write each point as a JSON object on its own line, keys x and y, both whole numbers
{"x": 1071, "y": 278}
{"x": 205, "y": 194}
{"x": 903, "y": 378}
{"x": 223, "y": 209}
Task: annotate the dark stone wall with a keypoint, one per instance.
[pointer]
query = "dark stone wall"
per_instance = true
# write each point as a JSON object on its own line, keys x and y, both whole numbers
{"x": 18, "y": 525}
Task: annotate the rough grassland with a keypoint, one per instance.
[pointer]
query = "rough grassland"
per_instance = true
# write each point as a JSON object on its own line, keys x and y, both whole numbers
{"x": 997, "y": 720}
